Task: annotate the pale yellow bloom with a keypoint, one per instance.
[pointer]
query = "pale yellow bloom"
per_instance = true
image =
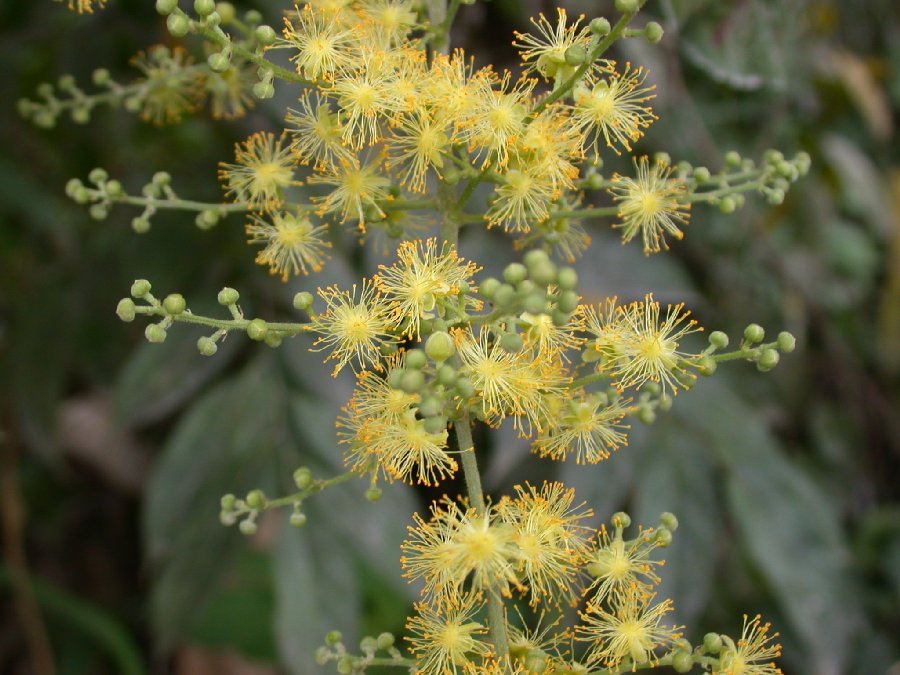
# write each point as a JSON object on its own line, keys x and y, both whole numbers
{"x": 387, "y": 22}
{"x": 545, "y": 52}
{"x": 316, "y": 132}
{"x": 753, "y": 652}
{"x": 586, "y": 426}
{"x": 171, "y": 87}
{"x": 445, "y": 639}
{"x": 417, "y": 145}
{"x": 356, "y": 188}
{"x": 263, "y": 168}
{"x": 367, "y": 99}
{"x": 497, "y": 117}
{"x": 523, "y": 197}
{"x": 293, "y": 245}
{"x": 621, "y": 567}
{"x": 322, "y": 44}
{"x": 82, "y": 6}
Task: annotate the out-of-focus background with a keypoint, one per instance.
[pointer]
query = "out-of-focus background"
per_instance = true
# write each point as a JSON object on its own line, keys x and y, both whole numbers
{"x": 114, "y": 453}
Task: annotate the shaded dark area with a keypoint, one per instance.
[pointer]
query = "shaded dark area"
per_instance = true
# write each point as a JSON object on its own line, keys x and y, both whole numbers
{"x": 114, "y": 452}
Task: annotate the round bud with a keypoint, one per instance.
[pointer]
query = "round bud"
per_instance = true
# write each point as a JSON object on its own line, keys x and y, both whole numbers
{"x": 373, "y": 494}
{"x": 218, "y": 62}
{"x": 125, "y": 309}
{"x": 511, "y": 342}
{"x": 663, "y": 537}
{"x": 768, "y": 359}
{"x": 560, "y": 318}
{"x": 647, "y": 415}
{"x": 701, "y": 174}
{"x": 100, "y": 77}
{"x": 576, "y": 55}
{"x": 446, "y": 375}
{"x": 436, "y": 424}
{"x": 368, "y": 645}
{"x": 567, "y": 301}
{"x": 226, "y": 11}
{"x": 133, "y": 103}
{"x": 439, "y": 346}
{"x": 712, "y": 643}
{"x": 303, "y": 301}
{"x": 323, "y": 655}
{"x": 265, "y": 35}
{"x": 179, "y": 26}
{"x": 256, "y": 499}
{"x": 263, "y": 90}
{"x": 775, "y": 197}
{"x": 732, "y": 158}
{"x": 682, "y": 662}
{"x": 174, "y": 303}
{"x": 786, "y": 342}
{"x": 504, "y": 296}
{"x": 627, "y": 6}
{"x": 412, "y": 381}
{"x": 155, "y": 333}
{"x": 669, "y": 521}
{"x": 73, "y": 187}
{"x": 113, "y": 189}
{"x": 98, "y": 211}
{"x": 227, "y": 296}
{"x": 345, "y": 665}
{"x": 165, "y": 7}
{"x": 621, "y": 519}
{"x": 600, "y": 26}
{"x": 385, "y": 641}
{"x": 653, "y": 32}
{"x": 81, "y": 115}
{"x": 333, "y": 637}
{"x": 247, "y": 527}
{"x": 535, "y": 257}
{"x": 394, "y": 377}
{"x": 302, "y": 477}
{"x": 754, "y": 333}
{"x": 253, "y": 17}
{"x": 488, "y": 287}
{"x": 727, "y": 205}
{"x": 207, "y": 346}
{"x": 298, "y": 519}
{"x": 257, "y": 330}
{"x": 431, "y": 406}
{"x": 515, "y": 273}
{"x": 140, "y": 288}
{"x": 535, "y": 303}
{"x": 536, "y": 661}
{"x": 464, "y": 387}
{"x": 227, "y": 502}
{"x": 718, "y": 339}
{"x": 98, "y": 176}
{"x": 140, "y": 224}
{"x": 204, "y": 7}
{"x": 543, "y": 273}
{"x": 567, "y": 278}
{"x": 707, "y": 366}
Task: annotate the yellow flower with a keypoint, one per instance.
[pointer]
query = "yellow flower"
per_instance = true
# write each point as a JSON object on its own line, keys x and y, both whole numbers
{"x": 356, "y": 188}
{"x": 550, "y": 146}
{"x": 548, "y": 48}
{"x": 264, "y": 168}
{"x": 230, "y": 91}
{"x": 418, "y": 144}
{"x": 752, "y": 653}
{"x": 622, "y": 567}
{"x": 587, "y": 426}
{"x": 550, "y": 539}
{"x": 497, "y": 116}
{"x": 456, "y": 544}
{"x": 388, "y": 22}
{"x": 322, "y": 44}
{"x": 352, "y": 328}
{"x": 630, "y": 631}
{"x": 82, "y": 6}
{"x": 651, "y": 204}
{"x": 367, "y": 99}
{"x": 523, "y": 197}
{"x": 422, "y": 277}
{"x": 171, "y": 86}
{"x": 546, "y": 338}
{"x": 443, "y": 640}
{"x": 316, "y": 132}
{"x": 293, "y": 245}
{"x": 612, "y": 108}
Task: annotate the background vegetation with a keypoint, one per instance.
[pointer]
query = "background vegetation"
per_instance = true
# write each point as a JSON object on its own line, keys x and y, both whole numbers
{"x": 115, "y": 452}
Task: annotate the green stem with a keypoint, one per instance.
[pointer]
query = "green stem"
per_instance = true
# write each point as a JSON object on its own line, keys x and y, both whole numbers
{"x": 222, "y": 40}
{"x": 314, "y": 488}
{"x": 383, "y": 661}
{"x": 103, "y": 629}
{"x": 287, "y": 329}
{"x": 587, "y": 379}
{"x": 586, "y": 213}
{"x": 183, "y": 204}
{"x": 744, "y": 352}
{"x": 725, "y": 191}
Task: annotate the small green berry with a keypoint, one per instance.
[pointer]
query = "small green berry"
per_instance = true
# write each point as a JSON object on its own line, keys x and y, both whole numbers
{"x": 125, "y": 309}
{"x": 227, "y": 502}
{"x": 653, "y": 32}
{"x": 732, "y": 158}
{"x": 257, "y": 329}
{"x": 166, "y": 7}
{"x": 567, "y": 278}
{"x": 416, "y": 359}
{"x": 718, "y": 339}
{"x": 439, "y": 346}
{"x": 535, "y": 303}
{"x": 179, "y": 26}
{"x": 446, "y": 375}
{"x": 543, "y": 273}
{"x": 302, "y": 477}
{"x": 373, "y": 494}
{"x": 754, "y": 333}
{"x": 140, "y": 288}
{"x": 247, "y": 527}
{"x": 567, "y": 301}
{"x": 303, "y": 301}
{"x": 712, "y": 643}
{"x": 515, "y": 273}
{"x": 701, "y": 174}
{"x": 155, "y": 333}
{"x": 227, "y": 296}
{"x": 768, "y": 360}
{"x": 488, "y": 287}
{"x": 786, "y": 342}
{"x": 504, "y": 296}
{"x": 174, "y": 304}
{"x": 140, "y": 224}
{"x": 298, "y": 519}
{"x": 204, "y": 7}
{"x": 727, "y": 205}
{"x": 412, "y": 381}
{"x": 600, "y": 26}
{"x": 265, "y": 35}
{"x": 207, "y": 346}
{"x": 682, "y": 662}
{"x": 218, "y": 62}
{"x": 385, "y": 641}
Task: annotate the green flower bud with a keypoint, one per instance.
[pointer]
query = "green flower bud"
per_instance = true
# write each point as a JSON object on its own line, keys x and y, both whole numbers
{"x": 227, "y": 502}
{"x": 345, "y": 665}
{"x": 754, "y": 333}
{"x": 385, "y": 641}
{"x": 718, "y": 339}
{"x": 446, "y": 375}
{"x": 256, "y": 499}
{"x": 682, "y": 662}
{"x": 98, "y": 211}
{"x": 98, "y": 176}
{"x": 113, "y": 189}
{"x": 559, "y": 317}
{"x": 212, "y": 19}
{"x": 257, "y": 330}
{"x": 174, "y": 303}
{"x": 465, "y": 388}
{"x": 373, "y": 494}
{"x": 165, "y": 7}
{"x": 368, "y": 645}
{"x": 207, "y": 219}
{"x": 535, "y": 303}
{"x": 439, "y": 346}
{"x": 647, "y": 415}
{"x": 226, "y": 11}
{"x": 394, "y": 377}
{"x": 576, "y": 55}
{"x": 263, "y": 90}
{"x": 298, "y": 519}
{"x": 219, "y": 62}
{"x": 265, "y": 35}
{"x": 253, "y": 17}
{"x": 567, "y": 278}
{"x": 768, "y": 360}
{"x": 515, "y": 273}
{"x": 140, "y": 288}
{"x": 488, "y": 287}
{"x": 535, "y": 257}
{"x": 207, "y": 346}
{"x": 179, "y": 26}
{"x": 435, "y": 425}
{"x": 621, "y": 519}
{"x": 155, "y": 333}
{"x": 669, "y": 521}
{"x": 273, "y": 340}
{"x": 412, "y": 381}
{"x": 302, "y": 477}
{"x": 727, "y": 205}
{"x": 323, "y": 655}
{"x": 701, "y": 174}
{"x": 416, "y": 359}
{"x": 204, "y": 7}
{"x": 73, "y": 187}
{"x": 732, "y": 158}
{"x": 543, "y": 273}
{"x": 140, "y": 224}
{"x": 125, "y": 310}
{"x": 227, "y": 296}
{"x": 786, "y": 342}
{"x": 653, "y": 32}
{"x": 504, "y": 296}
{"x": 431, "y": 406}
{"x": 333, "y": 637}
{"x": 536, "y": 661}
{"x": 707, "y": 366}
{"x": 712, "y": 643}
{"x": 663, "y": 537}
{"x": 303, "y": 301}
{"x": 567, "y": 301}
{"x": 600, "y": 26}
{"x": 627, "y": 6}
{"x": 247, "y": 527}
{"x": 100, "y": 77}
{"x": 512, "y": 342}
{"x": 595, "y": 181}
